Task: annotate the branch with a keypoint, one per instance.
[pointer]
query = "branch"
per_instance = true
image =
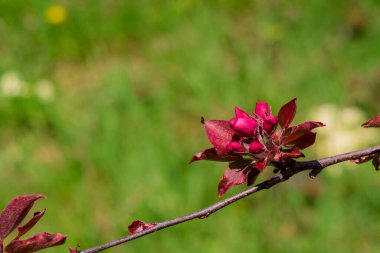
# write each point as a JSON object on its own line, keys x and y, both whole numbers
{"x": 316, "y": 166}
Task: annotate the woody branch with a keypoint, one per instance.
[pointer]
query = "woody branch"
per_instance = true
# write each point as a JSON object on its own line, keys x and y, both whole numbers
{"x": 316, "y": 166}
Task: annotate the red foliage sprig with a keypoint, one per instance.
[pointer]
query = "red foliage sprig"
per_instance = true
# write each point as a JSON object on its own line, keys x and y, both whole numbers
{"x": 12, "y": 216}
{"x": 250, "y": 142}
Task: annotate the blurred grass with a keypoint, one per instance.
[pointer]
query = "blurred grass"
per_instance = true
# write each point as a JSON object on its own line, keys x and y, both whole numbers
{"x": 131, "y": 80}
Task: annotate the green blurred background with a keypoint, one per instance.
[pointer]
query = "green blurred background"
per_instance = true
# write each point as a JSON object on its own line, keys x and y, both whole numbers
{"x": 100, "y": 103}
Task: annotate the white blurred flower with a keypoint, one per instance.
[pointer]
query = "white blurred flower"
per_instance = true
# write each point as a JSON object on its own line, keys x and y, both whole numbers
{"x": 11, "y": 84}
{"x": 44, "y": 90}
{"x": 342, "y": 132}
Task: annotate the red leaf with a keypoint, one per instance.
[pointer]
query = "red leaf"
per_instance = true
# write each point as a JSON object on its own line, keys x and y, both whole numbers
{"x": 76, "y": 250}
{"x": 15, "y": 212}
{"x": 220, "y": 134}
{"x": 35, "y": 243}
{"x": 260, "y": 165}
{"x": 295, "y": 152}
{"x": 306, "y": 140}
{"x": 287, "y": 113}
{"x": 210, "y": 154}
{"x": 252, "y": 176}
{"x": 235, "y": 174}
{"x": 30, "y": 224}
{"x": 138, "y": 226}
{"x": 291, "y": 134}
{"x": 375, "y": 122}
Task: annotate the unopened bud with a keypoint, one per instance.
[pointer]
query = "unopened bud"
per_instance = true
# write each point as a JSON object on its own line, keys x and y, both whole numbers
{"x": 234, "y": 146}
{"x": 256, "y": 147}
{"x": 243, "y": 126}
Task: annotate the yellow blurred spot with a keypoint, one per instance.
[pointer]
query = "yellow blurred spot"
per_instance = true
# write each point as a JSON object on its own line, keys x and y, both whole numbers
{"x": 56, "y": 14}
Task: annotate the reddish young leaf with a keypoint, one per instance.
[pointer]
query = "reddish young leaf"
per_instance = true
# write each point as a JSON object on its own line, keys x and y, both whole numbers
{"x": 295, "y": 152}
{"x": 210, "y": 154}
{"x": 235, "y": 174}
{"x": 375, "y": 122}
{"x": 138, "y": 226}
{"x": 35, "y": 243}
{"x": 287, "y": 113}
{"x": 30, "y": 224}
{"x": 306, "y": 140}
{"x": 260, "y": 165}
{"x": 15, "y": 212}
{"x": 220, "y": 133}
{"x": 293, "y": 133}
{"x": 231, "y": 178}
{"x": 252, "y": 175}
{"x": 76, "y": 250}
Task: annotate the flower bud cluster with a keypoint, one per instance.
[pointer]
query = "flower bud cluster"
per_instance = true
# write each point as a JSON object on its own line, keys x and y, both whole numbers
{"x": 252, "y": 130}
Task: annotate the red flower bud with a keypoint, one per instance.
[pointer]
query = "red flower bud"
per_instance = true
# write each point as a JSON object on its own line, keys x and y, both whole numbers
{"x": 241, "y": 114}
{"x": 262, "y": 110}
{"x": 234, "y": 146}
{"x": 270, "y": 124}
{"x": 256, "y": 147}
{"x": 243, "y": 126}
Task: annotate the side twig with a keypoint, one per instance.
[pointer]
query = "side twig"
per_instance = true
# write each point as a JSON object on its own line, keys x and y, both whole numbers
{"x": 316, "y": 166}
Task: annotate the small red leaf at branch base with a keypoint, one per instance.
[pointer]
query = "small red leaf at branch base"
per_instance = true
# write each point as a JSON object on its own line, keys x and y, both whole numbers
{"x": 210, "y": 154}
{"x": 138, "y": 226}
{"x": 252, "y": 176}
{"x": 30, "y": 224}
{"x": 235, "y": 174}
{"x": 287, "y": 113}
{"x": 260, "y": 165}
{"x": 230, "y": 178}
{"x": 76, "y": 250}
{"x": 295, "y": 152}
{"x": 220, "y": 133}
{"x": 375, "y": 122}
{"x": 293, "y": 133}
{"x": 15, "y": 212}
{"x": 35, "y": 243}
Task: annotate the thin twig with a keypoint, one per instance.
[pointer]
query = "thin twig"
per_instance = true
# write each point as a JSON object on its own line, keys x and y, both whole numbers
{"x": 315, "y": 166}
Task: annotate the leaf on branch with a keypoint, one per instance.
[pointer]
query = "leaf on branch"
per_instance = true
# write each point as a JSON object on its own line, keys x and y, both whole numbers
{"x": 220, "y": 133}
{"x": 35, "y": 243}
{"x": 295, "y": 152}
{"x": 375, "y": 122}
{"x": 76, "y": 250}
{"x": 211, "y": 155}
{"x": 306, "y": 140}
{"x": 295, "y": 132}
{"x": 15, "y": 212}
{"x": 237, "y": 173}
{"x": 138, "y": 226}
{"x": 30, "y": 224}
{"x": 287, "y": 113}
